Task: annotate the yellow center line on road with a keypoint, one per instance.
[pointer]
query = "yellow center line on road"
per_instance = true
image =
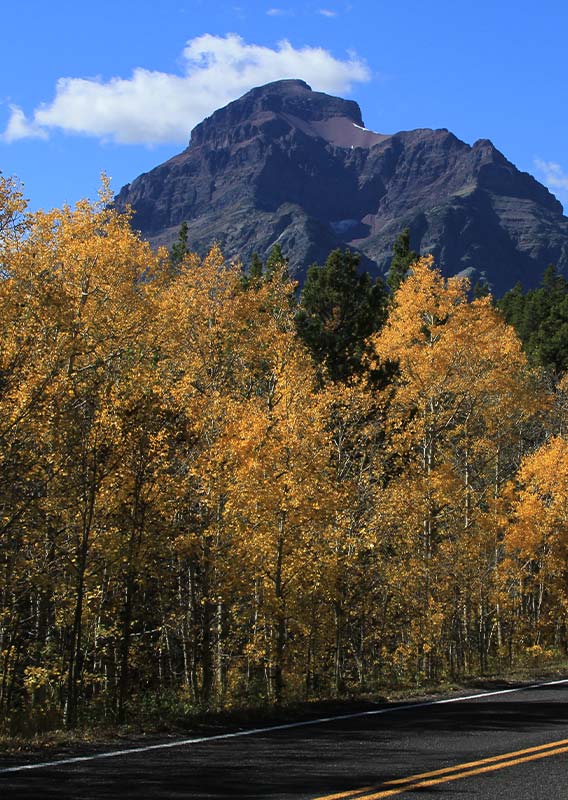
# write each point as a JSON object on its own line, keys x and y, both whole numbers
{"x": 425, "y": 779}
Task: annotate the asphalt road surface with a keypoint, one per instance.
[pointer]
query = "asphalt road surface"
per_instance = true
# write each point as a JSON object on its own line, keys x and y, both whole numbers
{"x": 509, "y": 745}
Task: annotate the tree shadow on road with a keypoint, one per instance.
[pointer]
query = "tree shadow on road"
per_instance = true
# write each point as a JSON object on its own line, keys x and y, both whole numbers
{"x": 311, "y": 761}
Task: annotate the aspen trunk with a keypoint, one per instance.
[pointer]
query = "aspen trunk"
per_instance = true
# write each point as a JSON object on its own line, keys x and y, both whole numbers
{"x": 280, "y": 628}
{"x": 124, "y": 650}
{"x": 207, "y": 629}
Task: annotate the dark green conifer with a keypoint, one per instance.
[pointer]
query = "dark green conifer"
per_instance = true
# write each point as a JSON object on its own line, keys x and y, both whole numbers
{"x": 402, "y": 258}
{"x": 339, "y": 309}
{"x": 540, "y": 317}
{"x": 276, "y": 264}
{"x": 180, "y": 248}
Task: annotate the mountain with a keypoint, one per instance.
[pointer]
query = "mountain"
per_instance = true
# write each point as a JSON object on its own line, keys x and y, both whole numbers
{"x": 287, "y": 164}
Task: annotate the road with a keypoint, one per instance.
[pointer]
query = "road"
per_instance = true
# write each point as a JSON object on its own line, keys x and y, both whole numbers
{"x": 511, "y": 745}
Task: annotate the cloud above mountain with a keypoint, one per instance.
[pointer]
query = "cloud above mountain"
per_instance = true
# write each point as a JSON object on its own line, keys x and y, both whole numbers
{"x": 553, "y": 176}
{"x": 153, "y": 107}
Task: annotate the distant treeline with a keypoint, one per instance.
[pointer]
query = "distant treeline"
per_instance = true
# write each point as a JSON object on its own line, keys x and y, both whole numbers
{"x": 215, "y": 493}
{"x": 540, "y": 317}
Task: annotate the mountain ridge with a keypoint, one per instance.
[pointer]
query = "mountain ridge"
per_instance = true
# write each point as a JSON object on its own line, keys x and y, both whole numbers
{"x": 289, "y": 165}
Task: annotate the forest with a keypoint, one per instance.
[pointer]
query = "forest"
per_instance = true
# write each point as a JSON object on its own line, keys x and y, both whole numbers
{"x": 217, "y": 492}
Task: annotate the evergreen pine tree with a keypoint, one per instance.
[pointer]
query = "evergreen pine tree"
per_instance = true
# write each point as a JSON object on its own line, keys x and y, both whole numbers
{"x": 276, "y": 263}
{"x": 512, "y": 306}
{"x": 180, "y": 248}
{"x": 540, "y": 317}
{"x": 339, "y": 309}
{"x": 402, "y": 258}
{"x": 252, "y": 278}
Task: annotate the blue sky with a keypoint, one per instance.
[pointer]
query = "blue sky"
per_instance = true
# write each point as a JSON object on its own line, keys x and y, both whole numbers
{"x": 117, "y": 86}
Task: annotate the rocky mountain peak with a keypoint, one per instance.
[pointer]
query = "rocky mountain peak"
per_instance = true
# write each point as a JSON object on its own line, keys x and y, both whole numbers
{"x": 284, "y": 106}
{"x": 289, "y": 165}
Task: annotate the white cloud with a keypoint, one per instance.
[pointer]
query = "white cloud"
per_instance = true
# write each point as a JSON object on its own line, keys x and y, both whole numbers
{"x": 326, "y": 12}
{"x": 21, "y": 128}
{"x": 276, "y": 12}
{"x": 153, "y": 107}
{"x": 553, "y": 175}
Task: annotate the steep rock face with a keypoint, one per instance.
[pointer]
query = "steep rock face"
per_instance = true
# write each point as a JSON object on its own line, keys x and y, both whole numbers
{"x": 289, "y": 165}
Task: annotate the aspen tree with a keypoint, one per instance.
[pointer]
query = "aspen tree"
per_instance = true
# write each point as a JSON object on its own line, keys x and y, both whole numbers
{"x": 462, "y": 391}
{"x": 537, "y": 543}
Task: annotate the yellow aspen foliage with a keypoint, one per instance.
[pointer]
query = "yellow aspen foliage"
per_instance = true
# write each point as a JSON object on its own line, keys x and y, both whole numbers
{"x": 461, "y": 394}
{"x": 537, "y": 541}
{"x": 192, "y": 516}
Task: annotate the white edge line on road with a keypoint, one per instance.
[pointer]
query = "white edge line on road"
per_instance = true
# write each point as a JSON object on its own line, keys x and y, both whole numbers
{"x": 287, "y": 726}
